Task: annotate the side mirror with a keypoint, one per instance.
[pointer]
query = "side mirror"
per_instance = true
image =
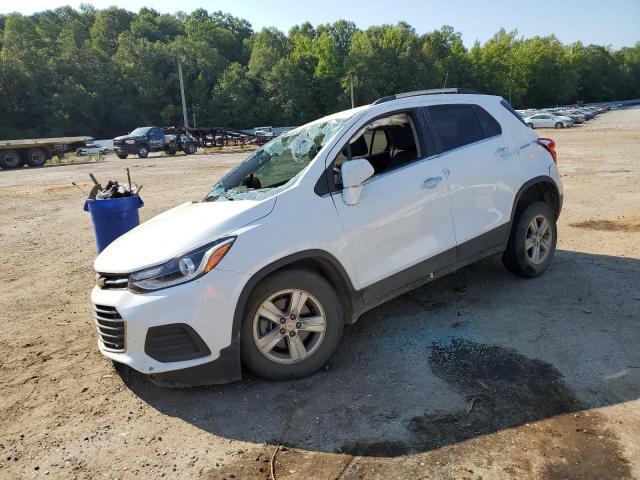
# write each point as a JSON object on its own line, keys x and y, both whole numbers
{"x": 354, "y": 173}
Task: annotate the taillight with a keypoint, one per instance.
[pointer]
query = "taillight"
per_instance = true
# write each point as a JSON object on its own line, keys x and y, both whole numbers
{"x": 550, "y": 146}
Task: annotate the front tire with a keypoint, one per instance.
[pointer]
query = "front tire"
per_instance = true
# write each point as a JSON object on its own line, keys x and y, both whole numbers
{"x": 190, "y": 148}
{"x": 530, "y": 125}
{"x": 121, "y": 156}
{"x": 293, "y": 323}
{"x": 532, "y": 242}
{"x": 559, "y": 125}
{"x": 143, "y": 151}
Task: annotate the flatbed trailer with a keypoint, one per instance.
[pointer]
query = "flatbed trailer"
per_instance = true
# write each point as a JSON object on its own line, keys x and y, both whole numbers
{"x": 36, "y": 151}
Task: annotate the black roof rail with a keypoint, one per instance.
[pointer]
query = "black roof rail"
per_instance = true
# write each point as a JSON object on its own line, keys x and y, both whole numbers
{"x": 433, "y": 91}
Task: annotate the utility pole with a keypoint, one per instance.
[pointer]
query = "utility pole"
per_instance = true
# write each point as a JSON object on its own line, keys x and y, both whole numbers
{"x": 445, "y": 81}
{"x": 193, "y": 110}
{"x": 353, "y": 105}
{"x": 181, "y": 60}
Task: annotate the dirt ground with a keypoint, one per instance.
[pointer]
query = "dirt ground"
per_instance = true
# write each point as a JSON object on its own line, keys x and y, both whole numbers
{"x": 479, "y": 375}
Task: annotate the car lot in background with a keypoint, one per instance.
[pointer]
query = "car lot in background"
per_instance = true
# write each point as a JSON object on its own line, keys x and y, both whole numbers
{"x": 577, "y": 114}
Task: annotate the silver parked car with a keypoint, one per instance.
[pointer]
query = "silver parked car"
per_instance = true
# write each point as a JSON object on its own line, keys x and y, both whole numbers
{"x": 549, "y": 120}
{"x": 92, "y": 148}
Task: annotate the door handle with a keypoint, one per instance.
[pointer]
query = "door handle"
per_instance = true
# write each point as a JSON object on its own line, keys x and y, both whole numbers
{"x": 431, "y": 182}
{"x": 501, "y": 152}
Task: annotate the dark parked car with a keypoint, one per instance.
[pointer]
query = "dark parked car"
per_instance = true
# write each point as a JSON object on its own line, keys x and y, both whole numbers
{"x": 144, "y": 140}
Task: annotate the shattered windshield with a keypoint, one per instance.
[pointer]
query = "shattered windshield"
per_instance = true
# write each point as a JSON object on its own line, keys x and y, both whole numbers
{"x": 277, "y": 163}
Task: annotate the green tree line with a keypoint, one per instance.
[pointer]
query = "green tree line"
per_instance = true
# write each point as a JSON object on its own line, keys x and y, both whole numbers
{"x": 104, "y": 72}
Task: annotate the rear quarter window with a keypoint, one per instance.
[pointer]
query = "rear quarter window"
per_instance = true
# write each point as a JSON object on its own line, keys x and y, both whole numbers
{"x": 490, "y": 125}
{"x": 506, "y": 105}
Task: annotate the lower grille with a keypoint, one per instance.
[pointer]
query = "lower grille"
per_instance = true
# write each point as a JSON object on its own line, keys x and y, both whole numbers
{"x": 174, "y": 342}
{"x": 111, "y": 328}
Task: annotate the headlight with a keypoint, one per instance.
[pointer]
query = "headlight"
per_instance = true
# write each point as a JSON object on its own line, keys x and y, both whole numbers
{"x": 130, "y": 141}
{"x": 182, "y": 269}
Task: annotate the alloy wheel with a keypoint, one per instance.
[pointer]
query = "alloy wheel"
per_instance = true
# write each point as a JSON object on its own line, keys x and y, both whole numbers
{"x": 538, "y": 241}
{"x": 289, "y": 326}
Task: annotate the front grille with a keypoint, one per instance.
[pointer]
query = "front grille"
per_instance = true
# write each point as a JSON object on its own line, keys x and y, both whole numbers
{"x": 111, "y": 328}
{"x": 108, "y": 281}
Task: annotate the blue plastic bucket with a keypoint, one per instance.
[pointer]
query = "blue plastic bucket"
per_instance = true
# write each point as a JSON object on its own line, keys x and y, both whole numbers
{"x": 113, "y": 217}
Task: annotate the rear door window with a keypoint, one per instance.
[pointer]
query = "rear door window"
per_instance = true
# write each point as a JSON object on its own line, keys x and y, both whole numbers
{"x": 456, "y": 125}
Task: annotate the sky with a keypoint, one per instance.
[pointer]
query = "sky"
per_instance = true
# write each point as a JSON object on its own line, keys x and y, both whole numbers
{"x": 603, "y": 22}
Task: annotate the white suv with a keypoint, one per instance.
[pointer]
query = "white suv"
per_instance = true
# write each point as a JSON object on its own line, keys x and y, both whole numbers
{"x": 320, "y": 225}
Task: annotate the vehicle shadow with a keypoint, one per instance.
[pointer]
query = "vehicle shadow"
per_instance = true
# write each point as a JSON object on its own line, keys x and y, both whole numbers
{"x": 477, "y": 352}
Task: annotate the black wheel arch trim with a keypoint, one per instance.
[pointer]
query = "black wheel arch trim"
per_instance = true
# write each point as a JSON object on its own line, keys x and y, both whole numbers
{"x": 224, "y": 369}
{"x": 227, "y": 367}
{"x": 525, "y": 186}
{"x": 284, "y": 262}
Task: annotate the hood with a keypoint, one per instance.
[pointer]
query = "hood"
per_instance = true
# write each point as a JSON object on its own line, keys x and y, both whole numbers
{"x": 177, "y": 231}
{"x": 129, "y": 137}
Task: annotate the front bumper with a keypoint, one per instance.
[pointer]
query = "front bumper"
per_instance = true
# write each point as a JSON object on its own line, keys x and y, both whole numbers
{"x": 206, "y": 306}
{"x": 129, "y": 149}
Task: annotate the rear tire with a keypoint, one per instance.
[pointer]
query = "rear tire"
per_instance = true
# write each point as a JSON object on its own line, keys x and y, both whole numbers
{"x": 36, "y": 157}
{"x": 297, "y": 340}
{"x": 559, "y": 125}
{"x": 532, "y": 242}
{"x": 530, "y": 125}
{"x": 122, "y": 156}
{"x": 10, "y": 159}
{"x": 143, "y": 151}
{"x": 190, "y": 148}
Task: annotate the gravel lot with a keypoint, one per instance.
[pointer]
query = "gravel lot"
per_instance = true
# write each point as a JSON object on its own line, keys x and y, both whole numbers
{"x": 479, "y": 375}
